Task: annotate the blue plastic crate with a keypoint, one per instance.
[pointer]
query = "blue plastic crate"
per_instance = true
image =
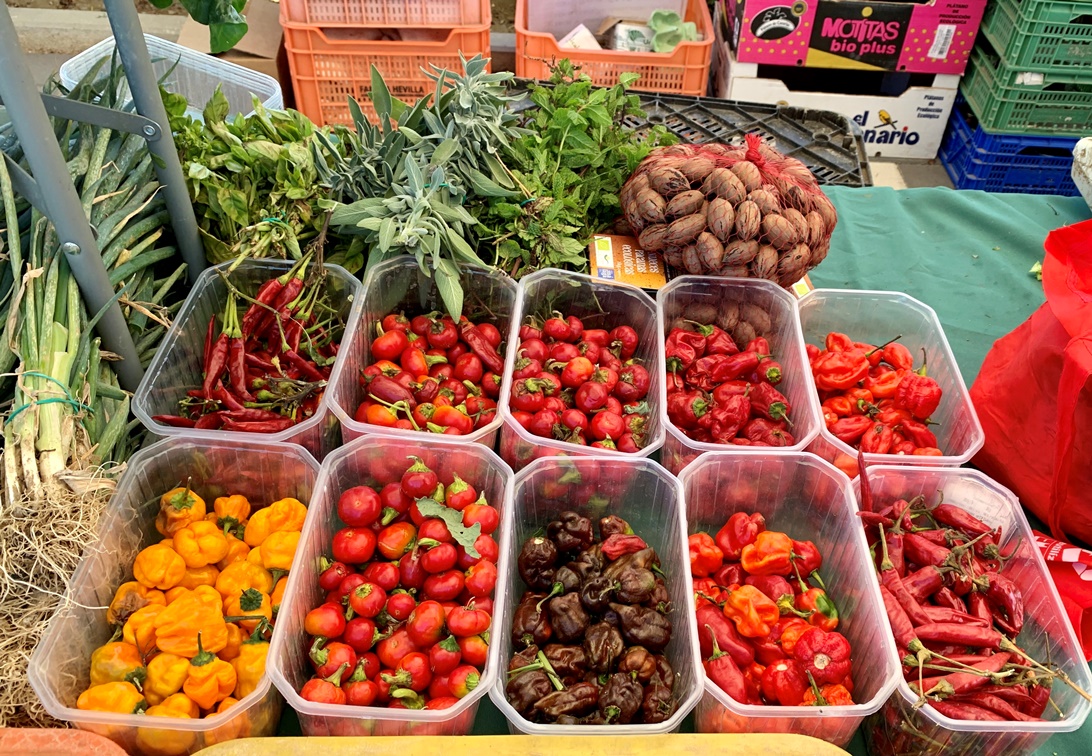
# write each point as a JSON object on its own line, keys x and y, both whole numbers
{"x": 976, "y": 159}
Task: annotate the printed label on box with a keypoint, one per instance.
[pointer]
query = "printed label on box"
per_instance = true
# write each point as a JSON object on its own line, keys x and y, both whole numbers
{"x": 871, "y": 33}
{"x": 942, "y": 42}
{"x": 620, "y": 258}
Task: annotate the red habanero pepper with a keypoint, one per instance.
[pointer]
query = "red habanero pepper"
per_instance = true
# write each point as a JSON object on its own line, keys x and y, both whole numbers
{"x": 769, "y": 402}
{"x": 766, "y": 432}
{"x": 728, "y": 418}
{"x": 812, "y": 351}
{"x": 730, "y": 574}
{"x": 838, "y": 371}
{"x": 838, "y": 342}
{"x": 682, "y": 348}
{"x": 850, "y": 429}
{"x": 739, "y": 531}
{"x": 770, "y": 554}
{"x": 481, "y": 347}
{"x": 717, "y": 341}
{"x": 618, "y": 545}
{"x": 734, "y": 366}
{"x": 823, "y": 612}
{"x": 877, "y": 439}
{"x": 705, "y": 557}
{"x": 806, "y": 557}
{"x": 918, "y": 393}
{"x": 784, "y": 682}
{"x": 773, "y": 586}
{"x": 883, "y": 386}
{"x": 825, "y": 655}
{"x": 898, "y": 356}
{"x": 839, "y": 405}
{"x": 751, "y": 610}
{"x": 791, "y": 630}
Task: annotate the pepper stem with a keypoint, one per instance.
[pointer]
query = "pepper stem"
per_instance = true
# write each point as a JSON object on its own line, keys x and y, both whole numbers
{"x": 885, "y": 344}
{"x": 556, "y": 590}
{"x": 550, "y": 671}
{"x": 819, "y": 699}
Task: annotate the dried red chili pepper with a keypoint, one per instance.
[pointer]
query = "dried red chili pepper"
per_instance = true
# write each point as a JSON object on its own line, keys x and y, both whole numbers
{"x": 965, "y": 682}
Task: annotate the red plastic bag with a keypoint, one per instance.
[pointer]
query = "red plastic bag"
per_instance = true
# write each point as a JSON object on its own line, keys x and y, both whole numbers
{"x": 1071, "y": 570}
{"x": 1033, "y": 395}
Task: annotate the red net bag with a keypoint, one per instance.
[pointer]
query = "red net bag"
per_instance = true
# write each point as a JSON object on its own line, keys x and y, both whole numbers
{"x": 726, "y": 210}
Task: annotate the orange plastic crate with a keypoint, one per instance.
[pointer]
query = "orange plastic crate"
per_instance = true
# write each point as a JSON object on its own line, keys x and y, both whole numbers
{"x": 393, "y": 14}
{"x": 685, "y": 70}
{"x": 331, "y": 64}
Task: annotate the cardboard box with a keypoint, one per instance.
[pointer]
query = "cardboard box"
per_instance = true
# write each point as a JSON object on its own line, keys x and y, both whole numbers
{"x": 932, "y": 37}
{"x": 261, "y": 49}
{"x": 901, "y": 115}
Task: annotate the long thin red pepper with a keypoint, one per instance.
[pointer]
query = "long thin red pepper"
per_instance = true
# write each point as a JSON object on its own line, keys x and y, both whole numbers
{"x": 995, "y": 704}
{"x": 901, "y": 627}
{"x": 966, "y": 712}
{"x": 922, "y": 551}
{"x": 890, "y": 579}
{"x": 924, "y": 583}
{"x": 965, "y": 682}
{"x": 960, "y": 635}
{"x": 216, "y": 361}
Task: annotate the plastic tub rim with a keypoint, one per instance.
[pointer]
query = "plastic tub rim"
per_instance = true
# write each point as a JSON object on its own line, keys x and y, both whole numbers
{"x": 284, "y": 436}
{"x": 496, "y": 691}
{"x": 871, "y": 459}
{"x": 139, "y": 721}
{"x": 503, "y": 401}
{"x": 348, "y": 421}
{"x": 345, "y": 711}
{"x": 1082, "y": 678}
{"x": 812, "y": 395}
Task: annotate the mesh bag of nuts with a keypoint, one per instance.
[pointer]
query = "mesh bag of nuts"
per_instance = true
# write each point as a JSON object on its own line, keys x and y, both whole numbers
{"x": 742, "y": 211}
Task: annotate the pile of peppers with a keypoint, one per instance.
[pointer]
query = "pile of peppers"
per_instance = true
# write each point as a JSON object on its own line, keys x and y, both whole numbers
{"x": 408, "y": 603}
{"x": 590, "y": 631}
{"x": 267, "y": 370}
{"x": 955, "y": 616}
{"x": 720, "y": 394}
{"x": 873, "y": 398}
{"x": 430, "y": 374}
{"x": 195, "y": 621}
{"x": 767, "y": 635}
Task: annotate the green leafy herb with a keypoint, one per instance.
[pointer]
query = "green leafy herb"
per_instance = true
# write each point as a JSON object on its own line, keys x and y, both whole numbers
{"x": 224, "y": 18}
{"x": 463, "y": 535}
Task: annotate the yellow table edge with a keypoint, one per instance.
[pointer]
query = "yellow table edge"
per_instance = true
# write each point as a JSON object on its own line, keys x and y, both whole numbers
{"x": 532, "y": 745}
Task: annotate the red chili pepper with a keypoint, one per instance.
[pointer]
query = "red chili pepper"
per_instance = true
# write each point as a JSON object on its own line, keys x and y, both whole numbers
{"x": 883, "y": 385}
{"x": 769, "y": 402}
{"x": 959, "y": 518}
{"x": 823, "y": 613}
{"x": 806, "y": 558}
{"x": 263, "y": 426}
{"x": 784, "y": 682}
{"x": 891, "y": 580}
{"x": 838, "y": 342}
{"x": 387, "y": 390}
{"x": 682, "y": 348}
{"x": 453, "y": 417}
{"x": 1006, "y": 598}
{"x": 480, "y": 345}
{"x": 901, "y": 627}
{"x": 896, "y": 552}
{"x": 850, "y": 429}
{"x": 960, "y": 635}
{"x": 898, "y": 356}
{"x": 839, "y": 405}
{"x": 839, "y": 371}
{"x": 717, "y": 341}
{"x": 712, "y": 624}
{"x": 685, "y": 408}
{"x": 759, "y": 430}
{"x": 774, "y": 587}
{"x": 997, "y": 705}
{"x": 734, "y": 366}
{"x": 306, "y": 367}
{"x": 770, "y": 371}
{"x": 922, "y": 551}
{"x": 965, "y": 682}
{"x": 250, "y": 415}
{"x": 730, "y": 388}
{"x": 918, "y": 393}
{"x": 825, "y": 655}
{"x": 619, "y": 545}
{"x": 209, "y": 421}
{"x": 725, "y": 674}
{"x": 739, "y": 531}
{"x": 943, "y": 614}
{"x": 175, "y": 421}
{"x": 877, "y": 439}
{"x": 728, "y": 418}
{"x": 226, "y": 398}
{"x": 966, "y": 712}
{"x": 918, "y": 433}
{"x": 946, "y": 598}
{"x": 216, "y": 362}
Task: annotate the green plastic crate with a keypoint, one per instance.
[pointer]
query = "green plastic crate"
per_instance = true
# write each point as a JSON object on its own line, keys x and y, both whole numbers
{"x": 1059, "y": 40}
{"x": 1059, "y": 105}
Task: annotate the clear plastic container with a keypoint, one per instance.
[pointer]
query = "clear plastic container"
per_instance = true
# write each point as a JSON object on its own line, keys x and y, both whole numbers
{"x": 642, "y": 493}
{"x": 786, "y": 343}
{"x": 380, "y": 458}
{"x": 189, "y": 73}
{"x": 801, "y": 495}
{"x": 59, "y": 669}
{"x": 398, "y": 284}
{"x": 178, "y": 365}
{"x": 875, "y": 317}
{"x": 600, "y": 305}
{"x": 1047, "y": 634}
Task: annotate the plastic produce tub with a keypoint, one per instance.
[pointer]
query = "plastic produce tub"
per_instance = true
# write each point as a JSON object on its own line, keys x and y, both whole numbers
{"x": 178, "y": 365}
{"x": 809, "y": 499}
{"x": 599, "y": 305}
{"x": 59, "y": 668}
{"x": 397, "y": 284}
{"x": 191, "y": 74}
{"x": 876, "y": 317}
{"x": 786, "y": 343}
{"x": 380, "y": 458}
{"x": 1047, "y": 633}
{"x": 684, "y": 70}
{"x": 645, "y": 495}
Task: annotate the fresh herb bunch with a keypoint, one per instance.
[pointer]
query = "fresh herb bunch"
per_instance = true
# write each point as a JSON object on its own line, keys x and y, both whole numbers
{"x": 571, "y": 162}
{"x": 401, "y": 185}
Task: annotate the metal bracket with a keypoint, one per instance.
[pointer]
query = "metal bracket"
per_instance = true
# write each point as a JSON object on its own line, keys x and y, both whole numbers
{"x": 25, "y": 184}
{"x": 97, "y": 115}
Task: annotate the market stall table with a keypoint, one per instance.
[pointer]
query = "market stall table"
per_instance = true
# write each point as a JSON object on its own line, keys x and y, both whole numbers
{"x": 968, "y": 255}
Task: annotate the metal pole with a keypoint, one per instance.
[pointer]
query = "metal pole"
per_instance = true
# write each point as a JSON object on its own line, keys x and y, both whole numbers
{"x": 35, "y": 133}
{"x": 132, "y": 48}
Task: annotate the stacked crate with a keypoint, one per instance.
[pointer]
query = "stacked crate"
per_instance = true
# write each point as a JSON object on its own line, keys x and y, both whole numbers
{"x": 1029, "y": 89}
{"x": 333, "y": 44}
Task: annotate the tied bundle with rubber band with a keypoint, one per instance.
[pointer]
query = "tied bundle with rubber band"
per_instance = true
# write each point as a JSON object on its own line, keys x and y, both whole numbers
{"x": 742, "y": 211}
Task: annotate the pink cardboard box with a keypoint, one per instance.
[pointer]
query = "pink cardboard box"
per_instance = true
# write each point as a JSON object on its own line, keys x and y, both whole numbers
{"x": 931, "y": 37}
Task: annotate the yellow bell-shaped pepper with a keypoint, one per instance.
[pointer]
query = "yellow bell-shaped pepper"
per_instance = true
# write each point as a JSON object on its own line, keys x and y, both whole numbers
{"x": 252, "y": 604}
{"x": 200, "y": 576}
{"x": 177, "y": 509}
{"x": 283, "y": 515}
{"x": 231, "y": 511}
{"x": 178, "y": 626}
{"x": 116, "y": 697}
{"x": 200, "y": 543}
{"x": 210, "y": 679}
{"x": 250, "y": 666}
{"x": 159, "y": 566}
{"x": 117, "y": 662}
{"x": 277, "y": 597}
{"x": 140, "y": 628}
{"x": 255, "y": 556}
{"x": 166, "y": 673}
{"x": 279, "y": 550}
{"x": 152, "y": 741}
{"x": 237, "y": 552}
{"x": 235, "y": 638}
{"x": 182, "y": 703}
{"x": 236, "y": 578}
{"x": 128, "y": 598}
{"x": 237, "y": 727}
